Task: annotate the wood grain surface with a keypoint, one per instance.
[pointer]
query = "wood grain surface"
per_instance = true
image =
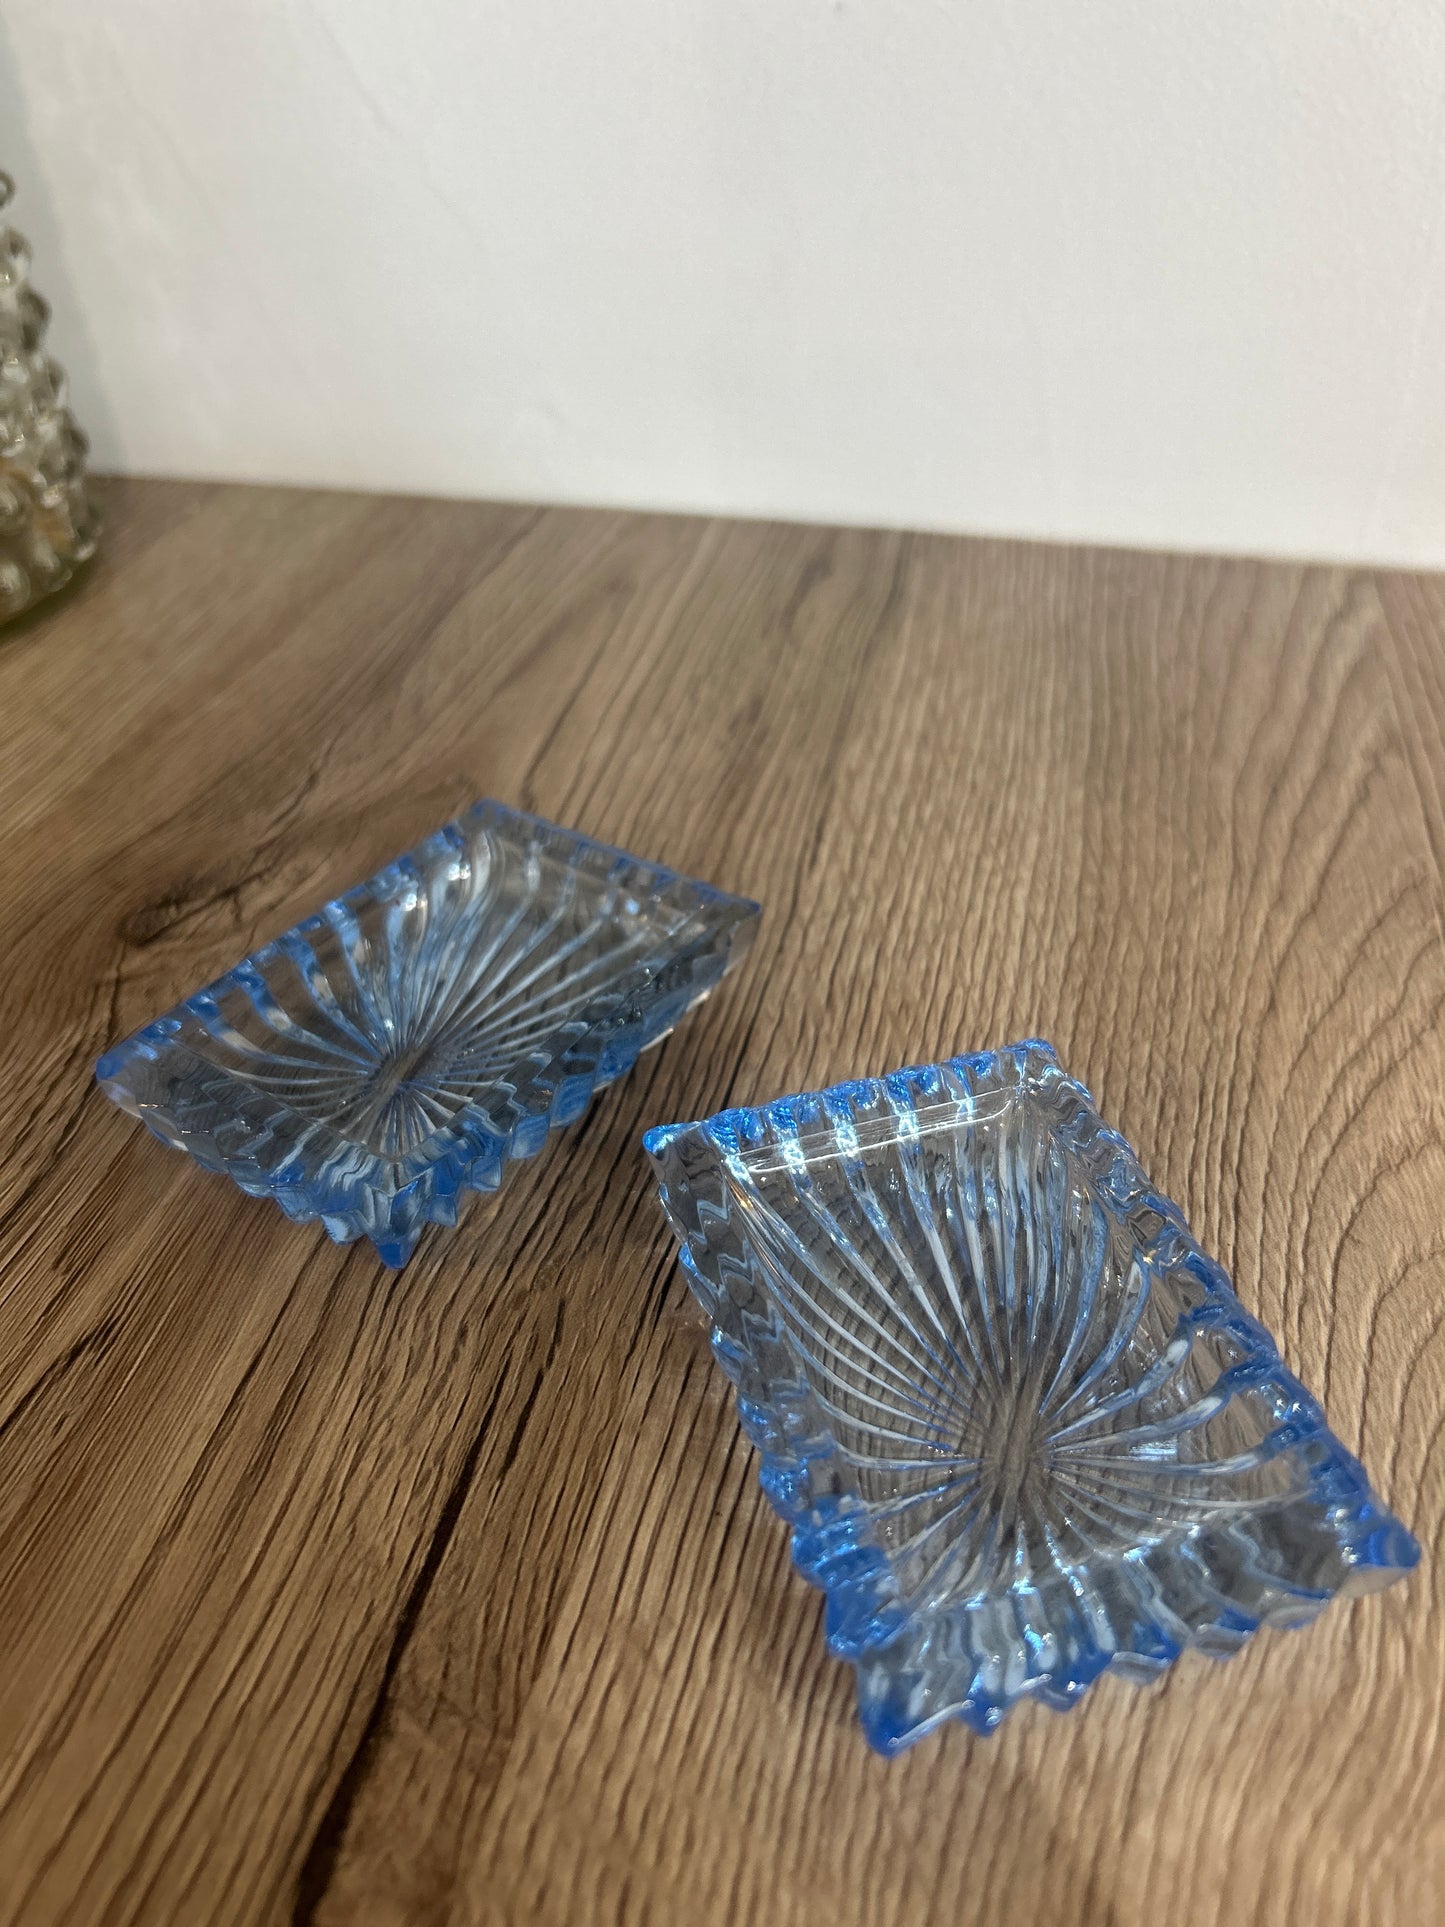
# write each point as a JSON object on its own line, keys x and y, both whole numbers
{"x": 333, "y": 1595}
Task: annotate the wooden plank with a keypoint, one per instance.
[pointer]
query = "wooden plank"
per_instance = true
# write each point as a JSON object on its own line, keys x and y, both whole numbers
{"x": 335, "y": 1596}
{"x": 1412, "y": 611}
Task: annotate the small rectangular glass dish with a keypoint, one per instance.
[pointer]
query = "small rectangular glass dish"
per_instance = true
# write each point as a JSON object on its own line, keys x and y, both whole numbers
{"x": 1021, "y": 1426}
{"x": 406, "y": 1044}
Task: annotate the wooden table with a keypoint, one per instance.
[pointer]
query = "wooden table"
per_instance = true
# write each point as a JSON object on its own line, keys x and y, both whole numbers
{"x": 335, "y": 1595}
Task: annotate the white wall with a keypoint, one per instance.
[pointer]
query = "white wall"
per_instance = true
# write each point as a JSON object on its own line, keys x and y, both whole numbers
{"x": 1151, "y": 271}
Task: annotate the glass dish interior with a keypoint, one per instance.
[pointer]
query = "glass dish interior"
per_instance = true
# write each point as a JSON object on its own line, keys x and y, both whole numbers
{"x": 1010, "y": 1377}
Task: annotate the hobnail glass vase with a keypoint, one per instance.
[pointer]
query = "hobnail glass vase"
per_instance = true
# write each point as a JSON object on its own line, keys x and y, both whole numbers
{"x": 48, "y": 515}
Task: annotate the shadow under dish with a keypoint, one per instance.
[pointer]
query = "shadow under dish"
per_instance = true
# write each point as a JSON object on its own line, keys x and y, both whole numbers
{"x": 407, "y": 1043}
{"x": 1022, "y": 1427}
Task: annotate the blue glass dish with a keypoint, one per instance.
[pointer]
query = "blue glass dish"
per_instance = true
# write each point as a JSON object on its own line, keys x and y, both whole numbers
{"x": 1019, "y": 1422}
{"x": 403, "y": 1046}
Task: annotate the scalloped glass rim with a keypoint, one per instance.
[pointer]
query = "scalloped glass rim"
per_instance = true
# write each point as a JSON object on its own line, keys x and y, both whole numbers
{"x": 405, "y": 1044}
{"x": 819, "y": 1233}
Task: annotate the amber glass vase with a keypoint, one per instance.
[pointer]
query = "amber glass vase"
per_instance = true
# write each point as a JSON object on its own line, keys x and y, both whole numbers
{"x": 48, "y": 514}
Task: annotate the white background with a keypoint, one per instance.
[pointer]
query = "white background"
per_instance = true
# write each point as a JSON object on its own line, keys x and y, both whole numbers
{"x": 1147, "y": 271}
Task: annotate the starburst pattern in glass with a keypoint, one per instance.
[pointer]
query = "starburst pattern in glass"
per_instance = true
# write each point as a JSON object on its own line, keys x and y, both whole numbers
{"x": 1021, "y": 1425}
{"x": 403, "y": 1046}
